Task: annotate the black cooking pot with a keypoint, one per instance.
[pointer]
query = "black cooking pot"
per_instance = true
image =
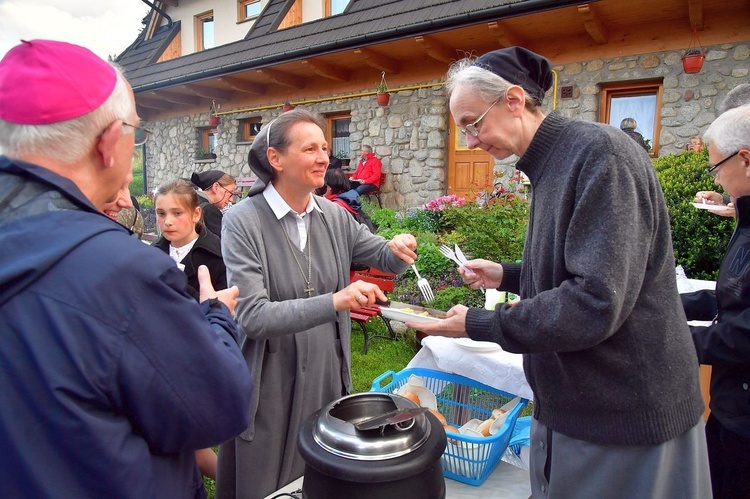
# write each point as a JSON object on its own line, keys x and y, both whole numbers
{"x": 372, "y": 446}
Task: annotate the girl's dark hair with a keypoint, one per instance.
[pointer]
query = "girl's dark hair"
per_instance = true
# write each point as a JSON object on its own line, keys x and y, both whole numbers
{"x": 185, "y": 192}
{"x": 337, "y": 181}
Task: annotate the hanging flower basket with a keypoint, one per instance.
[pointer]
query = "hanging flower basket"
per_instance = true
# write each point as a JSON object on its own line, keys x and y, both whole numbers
{"x": 287, "y": 106}
{"x": 213, "y": 120}
{"x": 692, "y": 61}
{"x": 382, "y": 94}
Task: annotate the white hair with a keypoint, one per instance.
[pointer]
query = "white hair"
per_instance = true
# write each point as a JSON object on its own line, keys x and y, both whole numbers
{"x": 487, "y": 84}
{"x": 730, "y": 132}
{"x": 68, "y": 141}
{"x": 738, "y": 96}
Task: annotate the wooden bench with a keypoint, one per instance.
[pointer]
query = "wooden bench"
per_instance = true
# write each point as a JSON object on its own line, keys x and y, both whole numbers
{"x": 244, "y": 184}
{"x": 364, "y": 315}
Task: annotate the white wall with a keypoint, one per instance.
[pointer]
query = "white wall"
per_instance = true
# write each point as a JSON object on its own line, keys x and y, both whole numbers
{"x": 226, "y": 27}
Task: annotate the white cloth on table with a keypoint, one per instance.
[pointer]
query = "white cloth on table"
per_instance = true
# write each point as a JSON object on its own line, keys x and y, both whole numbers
{"x": 498, "y": 369}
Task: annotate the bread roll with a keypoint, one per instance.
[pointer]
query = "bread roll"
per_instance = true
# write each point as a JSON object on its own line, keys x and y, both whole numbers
{"x": 440, "y": 417}
{"x": 412, "y": 396}
{"x": 484, "y": 427}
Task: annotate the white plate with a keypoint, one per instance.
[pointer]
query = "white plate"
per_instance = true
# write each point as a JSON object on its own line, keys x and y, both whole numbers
{"x": 408, "y": 313}
{"x": 710, "y": 207}
{"x": 476, "y": 346}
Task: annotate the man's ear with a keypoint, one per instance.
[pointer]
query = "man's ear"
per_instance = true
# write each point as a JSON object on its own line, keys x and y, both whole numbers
{"x": 744, "y": 155}
{"x": 107, "y": 142}
{"x": 274, "y": 158}
{"x": 515, "y": 98}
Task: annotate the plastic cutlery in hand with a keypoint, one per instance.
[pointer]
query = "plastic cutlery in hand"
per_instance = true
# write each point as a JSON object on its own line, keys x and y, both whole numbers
{"x": 462, "y": 258}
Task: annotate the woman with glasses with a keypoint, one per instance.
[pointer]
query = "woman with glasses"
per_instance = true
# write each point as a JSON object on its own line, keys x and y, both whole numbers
{"x": 607, "y": 350}
{"x": 217, "y": 192}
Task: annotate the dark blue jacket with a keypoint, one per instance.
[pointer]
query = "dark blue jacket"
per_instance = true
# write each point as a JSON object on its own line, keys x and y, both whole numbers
{"x": 725, "y": 345}
{"x": 111, "y": 375}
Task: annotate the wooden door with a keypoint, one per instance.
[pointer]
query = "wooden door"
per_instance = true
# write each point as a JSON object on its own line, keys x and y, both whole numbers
{"x": 468, "y": 169}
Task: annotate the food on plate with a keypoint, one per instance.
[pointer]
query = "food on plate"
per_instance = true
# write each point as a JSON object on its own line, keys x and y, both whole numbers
{"x": 440, "y": 417}
{"x": 412, "y": 396}
{"x": 412, "y": 311}
{"x": 450, "y": 428}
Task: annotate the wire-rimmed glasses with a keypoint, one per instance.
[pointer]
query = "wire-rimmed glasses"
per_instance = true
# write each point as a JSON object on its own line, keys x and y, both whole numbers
{"x": 140, "y": 134}
{"x": 472, "y": 127}
{"x": 711, "y": 170}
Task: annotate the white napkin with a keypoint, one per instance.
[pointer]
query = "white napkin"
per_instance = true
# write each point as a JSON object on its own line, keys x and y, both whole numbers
{"x": 498, "y": 369}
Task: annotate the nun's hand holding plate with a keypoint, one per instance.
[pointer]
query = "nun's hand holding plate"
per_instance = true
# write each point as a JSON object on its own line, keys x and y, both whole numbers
{"x": 453, "y": 326}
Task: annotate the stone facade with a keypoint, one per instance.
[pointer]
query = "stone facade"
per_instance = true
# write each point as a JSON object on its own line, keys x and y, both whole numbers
{"x": 410, "y": 134}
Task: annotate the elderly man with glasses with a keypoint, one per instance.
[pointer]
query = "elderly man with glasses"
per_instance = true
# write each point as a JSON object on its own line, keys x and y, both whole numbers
{"x": 725, "y": 344}
{"x": 100, "y": 339}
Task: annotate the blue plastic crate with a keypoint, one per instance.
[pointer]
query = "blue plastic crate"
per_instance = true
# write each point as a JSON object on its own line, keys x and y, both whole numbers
{"x": 466, "y": 459}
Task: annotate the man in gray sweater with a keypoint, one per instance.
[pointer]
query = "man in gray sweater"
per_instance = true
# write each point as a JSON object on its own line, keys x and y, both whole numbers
{"x": 607, "y": 351}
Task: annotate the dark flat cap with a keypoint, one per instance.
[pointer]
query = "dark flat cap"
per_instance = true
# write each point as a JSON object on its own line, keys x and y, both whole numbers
{"x": 206, "y": 179}
{"x": 521, "y": 67}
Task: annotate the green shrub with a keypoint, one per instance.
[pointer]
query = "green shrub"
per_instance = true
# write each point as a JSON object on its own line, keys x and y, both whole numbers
{"x": 699, "y": 237}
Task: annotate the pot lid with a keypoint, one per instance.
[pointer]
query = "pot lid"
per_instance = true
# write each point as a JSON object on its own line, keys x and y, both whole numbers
{"x": 371, "y": 426}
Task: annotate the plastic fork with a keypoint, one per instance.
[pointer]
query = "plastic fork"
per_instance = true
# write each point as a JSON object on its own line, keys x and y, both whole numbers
{"x": 424, "y": 286}
{"x": 450, "y": 255}
{"x": 462, "y": 259}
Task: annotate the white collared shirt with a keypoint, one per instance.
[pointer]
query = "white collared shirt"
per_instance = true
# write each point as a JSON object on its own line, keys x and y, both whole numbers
{"x": 178, "y": 254}
{"x": 294, "y": 223}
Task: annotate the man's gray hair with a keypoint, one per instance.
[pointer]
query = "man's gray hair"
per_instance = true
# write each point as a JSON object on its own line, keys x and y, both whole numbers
{"x": 68, "y": 141}
{"x": 487, "y": 84}
{"x": 730, "y": 132}
{"x": 738, "y": 96}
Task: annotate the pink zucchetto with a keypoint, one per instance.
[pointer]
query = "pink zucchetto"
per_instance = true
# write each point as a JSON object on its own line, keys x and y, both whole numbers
{"x": 44, "y": 81}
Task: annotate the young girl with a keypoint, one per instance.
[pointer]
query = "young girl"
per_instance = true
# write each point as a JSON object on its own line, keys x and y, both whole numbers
{"x": 190, "y": 244}
{"x": 184, "y": 237}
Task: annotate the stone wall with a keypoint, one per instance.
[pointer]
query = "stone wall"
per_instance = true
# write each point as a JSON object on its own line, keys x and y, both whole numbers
{"x": 410, "y": 134}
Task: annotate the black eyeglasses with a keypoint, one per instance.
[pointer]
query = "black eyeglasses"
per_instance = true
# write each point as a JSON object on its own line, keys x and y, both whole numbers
{"x": 472, "y": 127}
{"x": 233, "y": 194}
{"x": 711, "y": 170}
{"x": 141, "y": 134}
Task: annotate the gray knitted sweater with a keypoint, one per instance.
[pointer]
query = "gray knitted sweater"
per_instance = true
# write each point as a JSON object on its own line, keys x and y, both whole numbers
{"x": 606, "y": 346}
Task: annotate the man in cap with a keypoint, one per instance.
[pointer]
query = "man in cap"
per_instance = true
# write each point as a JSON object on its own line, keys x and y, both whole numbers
{"x": 607, "y": 350}
{"x": 111, "y": 374}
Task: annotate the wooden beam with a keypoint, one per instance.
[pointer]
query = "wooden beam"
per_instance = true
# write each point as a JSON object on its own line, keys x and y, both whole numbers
{"x": 436, "y": 49}
{"x": 241, "y": 85}
{"x": 378, "y": 61}
{"x": 179, "y": 98}
{"x": 695, "y": 11}
{"x": 593, "y": 24}
{"x": 208, "y": 92}
{"x": 282, "y": 78}
{"x": 154, "y": 103}
{"x": 505, "y": 36}
{"x": 327, "y": 70}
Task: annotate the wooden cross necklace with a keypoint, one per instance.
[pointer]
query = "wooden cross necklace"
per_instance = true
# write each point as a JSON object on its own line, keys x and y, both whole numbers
{"x": 308, "y": 288}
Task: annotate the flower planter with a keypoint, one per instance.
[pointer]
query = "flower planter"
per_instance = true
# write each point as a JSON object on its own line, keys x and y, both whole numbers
{"x": 214, "y": 120}
{"x": 692, "y": 63}
{"x": 383, "y": 98}
{"x": 287, "y": 107}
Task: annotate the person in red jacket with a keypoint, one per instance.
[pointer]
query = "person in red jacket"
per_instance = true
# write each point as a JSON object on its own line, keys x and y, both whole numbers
{"x": 366, "y": 177}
